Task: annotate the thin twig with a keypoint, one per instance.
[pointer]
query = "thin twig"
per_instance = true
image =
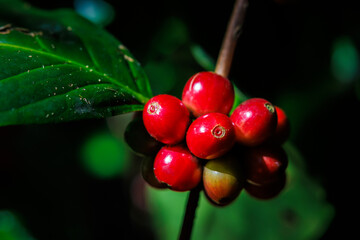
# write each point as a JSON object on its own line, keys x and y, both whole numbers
{"x": 223, "y": 68}
{"x": 232, "y": 33}
{"x": 189, "y": 217}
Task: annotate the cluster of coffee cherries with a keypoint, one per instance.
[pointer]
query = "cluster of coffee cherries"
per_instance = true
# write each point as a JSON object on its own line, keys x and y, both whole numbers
{"x": 195, "y": 142}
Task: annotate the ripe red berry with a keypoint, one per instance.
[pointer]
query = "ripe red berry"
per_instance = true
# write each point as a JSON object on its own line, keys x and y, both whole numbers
{"x": 255, "y": 121}
{"x": 267, "y": 191}
{"x": 282, "y": 131}
{"x": 178, "y": 168}
{"x": 263, "y": 164}
{"x": 207, "y": 92}
{"x": 210, "y": 136}
{"x": 223, "y": 179}
{"x": 166, "y": 119}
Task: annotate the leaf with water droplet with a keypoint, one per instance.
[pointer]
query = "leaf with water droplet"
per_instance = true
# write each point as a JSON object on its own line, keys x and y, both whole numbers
{"x": 56, "y": 56}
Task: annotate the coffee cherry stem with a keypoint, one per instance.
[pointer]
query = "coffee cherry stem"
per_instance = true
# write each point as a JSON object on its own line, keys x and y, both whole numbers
{"x": 232, "y": 33}
{"x": 222, "y": 68}
{"x": 189, "y": 217}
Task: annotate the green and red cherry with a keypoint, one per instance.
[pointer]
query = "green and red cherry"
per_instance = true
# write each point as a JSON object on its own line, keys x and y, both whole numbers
{"x": 197, "y": 135}
{"x": 223, "y": 179}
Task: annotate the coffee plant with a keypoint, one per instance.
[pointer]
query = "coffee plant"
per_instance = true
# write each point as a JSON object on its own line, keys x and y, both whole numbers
{"x": 199, "y": 154}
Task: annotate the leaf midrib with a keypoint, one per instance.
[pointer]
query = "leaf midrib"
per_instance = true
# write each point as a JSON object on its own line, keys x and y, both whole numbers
{"x": 141, "y": 98}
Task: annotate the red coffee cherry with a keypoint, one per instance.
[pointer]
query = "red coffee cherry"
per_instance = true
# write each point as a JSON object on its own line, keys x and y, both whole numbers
{"x": 267, "y": 191}
{"x": 223, "y": 179}
{"x": 166, "y": 119}
{"x": 282, "y": 131}
{"x": 147, "y": 172}
{"x": 178, "y": 168}
{"x": 207, "y": 92}
{"x": 255, "y": 121}
{"x": 263, "y": 164}
{"x": 210, "y": 136}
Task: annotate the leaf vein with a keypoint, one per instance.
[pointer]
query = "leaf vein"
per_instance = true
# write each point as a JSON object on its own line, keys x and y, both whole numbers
{"x": 139, "y": 96}
{"x": 34, "y": 69}
{"x": 60, "y": 95}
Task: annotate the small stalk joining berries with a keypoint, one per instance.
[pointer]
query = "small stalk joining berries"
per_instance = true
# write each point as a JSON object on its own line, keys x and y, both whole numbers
{"x": 222, "y": 68}
{"x": 189, "y": 217}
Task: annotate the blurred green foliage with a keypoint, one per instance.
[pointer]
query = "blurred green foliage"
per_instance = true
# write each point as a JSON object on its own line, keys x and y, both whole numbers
{"x": 345, "y": 60}
{"x": 104, "y": 155}
{"x": 169, "y": 62}
{"x": 299, "y": 212}
{"x": 97, "y": 11}
{"x": 202, "y": 58}
{"x": 11, "y": 228}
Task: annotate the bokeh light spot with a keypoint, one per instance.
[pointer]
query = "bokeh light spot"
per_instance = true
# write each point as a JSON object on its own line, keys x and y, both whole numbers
{"x": 97, "y": 11}
{"x": 344, "y": 60}
{"x": 104, "y": 155}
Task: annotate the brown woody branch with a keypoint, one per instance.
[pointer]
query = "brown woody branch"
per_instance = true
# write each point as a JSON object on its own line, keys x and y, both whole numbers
{"x": 232, "y": 33}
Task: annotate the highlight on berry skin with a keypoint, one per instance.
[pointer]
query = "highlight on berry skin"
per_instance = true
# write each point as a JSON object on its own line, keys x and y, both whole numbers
{"x": 255, "y": 121}
{"x": 210, "y": 136}
{"x": 178, "y": 168}
{"x": 166, "y": 119}
{"x": 196, "y": 141}
{"x": 207, "y": 92}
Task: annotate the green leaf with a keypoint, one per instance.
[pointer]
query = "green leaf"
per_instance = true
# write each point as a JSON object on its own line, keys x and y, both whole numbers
{"x": 299, "y": 212}
{"x": 57, "y": 66}
{"x": 239, "y": 98}
{"x": 202, "y": 57}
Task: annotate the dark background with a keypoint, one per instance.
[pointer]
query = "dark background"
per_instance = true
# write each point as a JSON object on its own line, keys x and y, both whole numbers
{"x": 283, "y": 54}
